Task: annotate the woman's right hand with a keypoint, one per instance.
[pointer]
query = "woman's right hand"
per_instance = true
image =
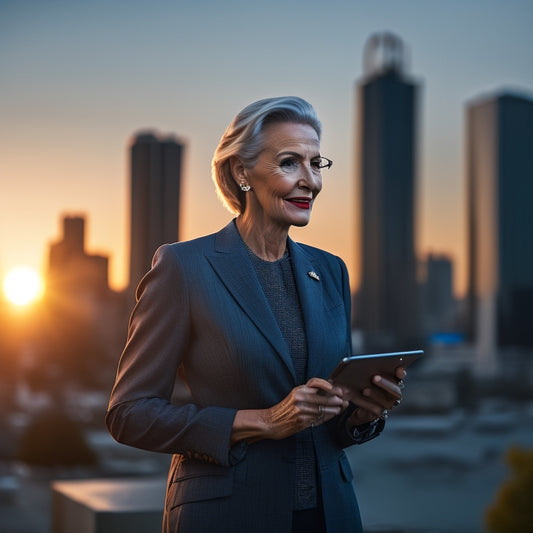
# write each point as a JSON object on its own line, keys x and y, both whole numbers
{"x": 307, "y": 405}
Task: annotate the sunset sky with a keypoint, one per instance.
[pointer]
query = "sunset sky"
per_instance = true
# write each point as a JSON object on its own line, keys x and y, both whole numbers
{"x": 79, "y": 78}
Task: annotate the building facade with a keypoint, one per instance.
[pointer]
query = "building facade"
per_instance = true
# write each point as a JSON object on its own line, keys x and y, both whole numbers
{"x": 387, "y": 109}
{"x": 155, "y": 198}
{"x": 84, "y": 325}
{"x": 71, "y": 270}
{"x": 438, "y": 304}
{"x": 500, "y": 222}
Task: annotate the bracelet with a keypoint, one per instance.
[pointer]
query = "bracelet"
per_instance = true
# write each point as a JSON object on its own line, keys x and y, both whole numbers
{"x": 368, "y": 429}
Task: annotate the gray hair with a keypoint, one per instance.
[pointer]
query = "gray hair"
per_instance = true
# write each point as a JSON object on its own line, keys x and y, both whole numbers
{"x": 244, "y": 138}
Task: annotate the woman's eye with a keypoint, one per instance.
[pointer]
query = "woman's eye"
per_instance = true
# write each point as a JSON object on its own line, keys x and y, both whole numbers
{"x": 289, "y": 164}
{"x": 316, "y": 164}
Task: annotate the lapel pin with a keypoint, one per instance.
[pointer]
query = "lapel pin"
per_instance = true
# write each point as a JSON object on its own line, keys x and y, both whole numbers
{"x": 314, "y": 275}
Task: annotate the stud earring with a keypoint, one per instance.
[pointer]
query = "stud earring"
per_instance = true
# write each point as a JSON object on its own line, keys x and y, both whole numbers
{"x": 244, "y": 187}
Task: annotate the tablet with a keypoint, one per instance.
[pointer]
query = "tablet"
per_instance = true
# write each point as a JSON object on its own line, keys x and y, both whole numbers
{"x": 357, "y": 371}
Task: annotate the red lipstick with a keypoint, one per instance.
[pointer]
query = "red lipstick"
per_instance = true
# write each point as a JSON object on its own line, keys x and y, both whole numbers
{"x": 302, "y": 202}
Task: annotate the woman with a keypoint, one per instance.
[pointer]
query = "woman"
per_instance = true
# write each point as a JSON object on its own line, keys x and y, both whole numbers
{"x": 252, "y": 323}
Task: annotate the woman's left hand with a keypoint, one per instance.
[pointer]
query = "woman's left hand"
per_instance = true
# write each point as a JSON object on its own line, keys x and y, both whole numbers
{"x": 376, "y": 401}
{"x": 307, "y": 405}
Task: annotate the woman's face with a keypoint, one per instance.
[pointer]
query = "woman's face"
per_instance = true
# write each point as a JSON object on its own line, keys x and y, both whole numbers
{"x": 286, "y": 178}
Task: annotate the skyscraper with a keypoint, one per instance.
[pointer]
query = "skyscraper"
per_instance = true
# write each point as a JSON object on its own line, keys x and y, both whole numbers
{"x": 500, "y": 222}
{"x": 387, "y": 313}
{"x": 155, "y": 198}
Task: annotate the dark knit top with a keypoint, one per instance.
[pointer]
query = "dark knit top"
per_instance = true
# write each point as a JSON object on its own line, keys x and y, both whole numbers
{"x": 277, "y": 280}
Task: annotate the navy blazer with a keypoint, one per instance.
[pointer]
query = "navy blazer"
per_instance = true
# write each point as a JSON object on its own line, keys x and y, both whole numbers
{"x": 202, "y": 316}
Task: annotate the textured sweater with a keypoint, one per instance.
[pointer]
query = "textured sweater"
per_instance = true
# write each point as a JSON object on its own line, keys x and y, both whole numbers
{"x": 277, "y": 280}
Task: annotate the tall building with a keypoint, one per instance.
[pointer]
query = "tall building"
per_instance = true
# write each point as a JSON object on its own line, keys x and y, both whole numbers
{"x": 500, "y": 222}
{"x": 71, "y": 270}
{"x": 438, "y": 303}
{"x": 387, "y": 108}
{"x": 155, "y": 198}
{"x": 84, "y": 327}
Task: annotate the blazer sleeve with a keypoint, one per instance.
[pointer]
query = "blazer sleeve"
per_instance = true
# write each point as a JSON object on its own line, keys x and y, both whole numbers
{"x": 140, "y": 411}
{"x": 346, "y": 434}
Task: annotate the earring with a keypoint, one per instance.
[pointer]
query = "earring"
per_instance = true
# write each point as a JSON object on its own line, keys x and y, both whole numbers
{"x": 244, "y": 187}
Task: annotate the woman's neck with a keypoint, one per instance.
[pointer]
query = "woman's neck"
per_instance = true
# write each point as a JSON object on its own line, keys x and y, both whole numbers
{"x": 266, "y": 241}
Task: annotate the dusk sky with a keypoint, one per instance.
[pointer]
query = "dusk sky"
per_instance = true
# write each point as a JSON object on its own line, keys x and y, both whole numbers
{"x": 79, "y": 78}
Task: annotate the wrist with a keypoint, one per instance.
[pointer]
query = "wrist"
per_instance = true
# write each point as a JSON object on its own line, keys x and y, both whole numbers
{"x": 361, "y": 416}
{"x": 250, "y": 425}
{"x": 364, "y": 431}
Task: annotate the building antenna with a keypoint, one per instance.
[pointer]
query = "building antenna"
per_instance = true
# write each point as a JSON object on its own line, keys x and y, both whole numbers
{"x": 384, "y": 53}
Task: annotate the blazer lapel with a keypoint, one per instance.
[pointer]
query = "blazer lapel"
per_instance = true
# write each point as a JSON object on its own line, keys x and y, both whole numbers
{"x": 310, "y": 292}
{"x": 234, "y": 268}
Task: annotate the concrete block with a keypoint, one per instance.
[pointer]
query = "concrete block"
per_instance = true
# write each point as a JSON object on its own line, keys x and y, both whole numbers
{"x": 108, "y": 505}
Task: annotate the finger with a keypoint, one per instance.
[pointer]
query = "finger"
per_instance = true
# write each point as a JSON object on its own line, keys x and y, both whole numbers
{"x": 321, "y": 384}
{"x": 322, "y": 415}
{"x": 325, "y": 389}
{"x": 388, "y": 386}
{"x": 370, "y": 405}
{"x": 329, "y": 411}
{"x": 316, "y": 401}
{"x": 323, "y": 399}
{"x": 380, "y": 397}
{"x": 339, "y": 390}
{"x": 400, "y": 373}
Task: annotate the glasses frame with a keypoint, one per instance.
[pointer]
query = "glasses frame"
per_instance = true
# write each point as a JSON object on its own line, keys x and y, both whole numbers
{"x": 325, "y": 163}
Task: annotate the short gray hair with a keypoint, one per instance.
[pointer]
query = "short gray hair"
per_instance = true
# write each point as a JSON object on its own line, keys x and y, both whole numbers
{"x": 244, "y": 138}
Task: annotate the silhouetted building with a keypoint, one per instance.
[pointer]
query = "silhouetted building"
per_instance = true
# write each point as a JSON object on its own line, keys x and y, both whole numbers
{"x": 84, "y": 327}
{"x": 387, "y": 106}
{"x": 438, "y": 302}
{"x": 155, "y": 198}
{"x": 70, "y": 268}
{"x": 500, "y": 221}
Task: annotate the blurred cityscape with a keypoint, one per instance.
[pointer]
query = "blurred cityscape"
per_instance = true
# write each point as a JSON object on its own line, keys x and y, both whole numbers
{"x": 466, "y": 403}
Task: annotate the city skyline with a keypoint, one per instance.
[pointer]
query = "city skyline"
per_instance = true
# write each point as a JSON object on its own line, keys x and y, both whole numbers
{"x": 79, "y": 81}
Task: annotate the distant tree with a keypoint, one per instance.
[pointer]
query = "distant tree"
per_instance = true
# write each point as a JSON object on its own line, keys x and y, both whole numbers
{"x": 512, "y": 511}
{"x": 53, "y": 439}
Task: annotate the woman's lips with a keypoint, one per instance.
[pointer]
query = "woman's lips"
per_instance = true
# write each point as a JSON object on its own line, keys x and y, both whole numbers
{"x": 301, "y": 203}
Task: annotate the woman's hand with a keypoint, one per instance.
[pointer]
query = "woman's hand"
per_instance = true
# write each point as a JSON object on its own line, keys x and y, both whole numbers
{"x": 307, "y": 405}
{"x": 311, "y": 404}
{"x": 376, "y": 400}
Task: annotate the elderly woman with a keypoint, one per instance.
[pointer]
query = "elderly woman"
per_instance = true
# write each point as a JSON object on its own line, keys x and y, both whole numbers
{"x": 252, "y": 323}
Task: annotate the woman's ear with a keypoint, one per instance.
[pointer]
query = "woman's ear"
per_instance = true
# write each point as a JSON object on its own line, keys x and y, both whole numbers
{"x": 237, "y": 170}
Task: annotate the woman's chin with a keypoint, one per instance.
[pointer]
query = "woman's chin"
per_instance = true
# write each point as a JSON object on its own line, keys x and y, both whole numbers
{"x": 301, "y": 224}
{"x": 302, "y": 220}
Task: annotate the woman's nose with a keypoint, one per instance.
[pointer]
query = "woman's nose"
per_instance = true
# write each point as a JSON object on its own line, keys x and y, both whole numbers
{"x": 310, "y": 179}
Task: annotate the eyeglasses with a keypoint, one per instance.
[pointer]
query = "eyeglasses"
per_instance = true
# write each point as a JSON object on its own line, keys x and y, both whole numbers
{"x": 323, "y": 162}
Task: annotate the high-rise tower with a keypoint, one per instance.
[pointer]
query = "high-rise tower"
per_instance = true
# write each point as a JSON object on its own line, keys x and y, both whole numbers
{"x": 387, "y": 312}
{"x": 155, "y": 198}
{"x": 500, "y": 222}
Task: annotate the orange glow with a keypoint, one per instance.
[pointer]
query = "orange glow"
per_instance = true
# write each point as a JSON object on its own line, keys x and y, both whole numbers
{"x": 23, "y": 286}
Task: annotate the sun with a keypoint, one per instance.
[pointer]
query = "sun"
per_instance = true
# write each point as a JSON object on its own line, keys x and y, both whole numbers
{"x": 23, "y": 286}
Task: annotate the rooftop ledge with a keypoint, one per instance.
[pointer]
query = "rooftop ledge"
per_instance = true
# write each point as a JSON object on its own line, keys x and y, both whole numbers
{"x": 108, "y": 505}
